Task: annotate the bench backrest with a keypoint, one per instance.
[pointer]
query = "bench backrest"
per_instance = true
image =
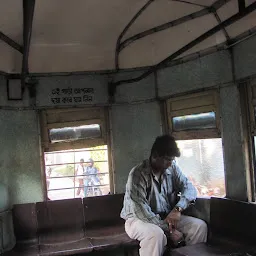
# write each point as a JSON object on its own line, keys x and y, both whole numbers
{"x": 233, "y": 219}
{"x": 25, "y": 222}
{"x": 31, "y": 220}
{"x": 60, "y": 214}
{"x": 103, "y": 210}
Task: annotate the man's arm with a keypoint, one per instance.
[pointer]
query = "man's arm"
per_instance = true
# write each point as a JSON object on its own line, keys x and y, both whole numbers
{"x": 96, "y": 171}
{"x": 188, "y": 191}
{"x": 136, "y": 187}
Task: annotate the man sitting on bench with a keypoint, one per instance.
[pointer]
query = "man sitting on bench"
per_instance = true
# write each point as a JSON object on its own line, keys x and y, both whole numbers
{"x": 148, "y": 207}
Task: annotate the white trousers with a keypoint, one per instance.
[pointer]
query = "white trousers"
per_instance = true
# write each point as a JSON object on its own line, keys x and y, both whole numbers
{"x": 153, "y": 240}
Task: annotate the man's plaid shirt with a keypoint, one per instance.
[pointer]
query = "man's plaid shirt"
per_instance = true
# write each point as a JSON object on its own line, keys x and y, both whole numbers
{"x": 146, "y": 198}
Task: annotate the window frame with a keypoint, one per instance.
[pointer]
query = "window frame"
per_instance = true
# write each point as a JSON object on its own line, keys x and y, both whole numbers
{"x": 204, "y": 101}
{"x": 95, "y": 115}
{"x": 194, "y": 103}
{"x": 75, "y": 164}
{"x": 62, "y": 119}
{"x": 247, "y": 89}
{"x": 251, "y": 89}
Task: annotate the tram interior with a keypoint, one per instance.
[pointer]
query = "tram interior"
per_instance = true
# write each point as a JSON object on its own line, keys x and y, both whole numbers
{"x": 87, "y": 86}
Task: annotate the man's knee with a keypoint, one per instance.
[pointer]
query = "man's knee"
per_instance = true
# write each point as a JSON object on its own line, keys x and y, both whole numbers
{"x": 137, "y": 229}
{"x": 199, "y": 228}
{"x": 158, "y": 236}
{"x": 198, "y": 225}
{"x": 155, "y": 235}
{"x": 153, "y": 242}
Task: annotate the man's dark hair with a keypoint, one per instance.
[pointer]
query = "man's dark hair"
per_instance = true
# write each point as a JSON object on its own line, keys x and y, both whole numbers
{"x": 165, "y": 145}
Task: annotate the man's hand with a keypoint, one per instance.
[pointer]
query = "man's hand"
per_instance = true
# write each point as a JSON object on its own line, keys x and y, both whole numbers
{"x": 172, "y": 219}
{"x": 176, "y": 238}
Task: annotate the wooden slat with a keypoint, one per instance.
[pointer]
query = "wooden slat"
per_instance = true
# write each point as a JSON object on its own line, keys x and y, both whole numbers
{"x": 217, "y": 110}
{"x": 77, "y": 109}
{"x": 203, "y": 102}
{"x": 74, "y": 115}
{"x": 194, "y": 95}
{"x": 192, "y": 111}
{"x": 44, "y": 131}
{"x": 252, "y": 105}
{"x": 74, "y": 123}
{"x": 196, "y": 134}
{"x": 253, "y": 91}
{"x": 79, "y": 144}
{"x": 59, "y": 118}
{"x": 192, "y": 102}
{"x": 107, "y": 138}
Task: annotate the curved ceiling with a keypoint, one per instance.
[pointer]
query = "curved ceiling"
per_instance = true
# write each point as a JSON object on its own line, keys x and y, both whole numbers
{"x": 81, "y": 35}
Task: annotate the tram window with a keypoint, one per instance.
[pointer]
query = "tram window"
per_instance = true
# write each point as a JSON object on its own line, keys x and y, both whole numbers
{"x": 194, "y": 121}
{"x": 201, "y": 161}
{"x": 77, "y": 173}
{"x": 75, "y": 149}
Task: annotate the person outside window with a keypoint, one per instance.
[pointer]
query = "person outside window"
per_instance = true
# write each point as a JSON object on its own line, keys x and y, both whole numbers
{"x": 91, "y": 179}
{"x": 48, "y": 172}
{"x": 79, "y": 173}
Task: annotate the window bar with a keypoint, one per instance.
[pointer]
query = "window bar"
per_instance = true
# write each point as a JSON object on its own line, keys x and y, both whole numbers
{"x": 53, "y": 189}
{"x": 80, "y": 150}
{"x": 71, "y": 176}
{"x": 103, "y": 161}
{"x": 74, "y": 187}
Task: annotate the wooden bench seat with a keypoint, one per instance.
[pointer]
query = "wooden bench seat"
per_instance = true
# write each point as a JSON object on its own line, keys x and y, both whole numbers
{"x": 103, "y": 225}
{"x": 112, "y": 238}
{"x": 31, "y": 250}
{"x": 232, "y": 228}
{"x": 83, "y": 246}
{"x": 25, "y": 224}
{"x": 75, "y": 226}
{"x": 70, "y": 227}
{"x": 60, "y": 221}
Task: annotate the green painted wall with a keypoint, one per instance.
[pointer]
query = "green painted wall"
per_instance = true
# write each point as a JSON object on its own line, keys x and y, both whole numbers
{"x": 20, "y": 157}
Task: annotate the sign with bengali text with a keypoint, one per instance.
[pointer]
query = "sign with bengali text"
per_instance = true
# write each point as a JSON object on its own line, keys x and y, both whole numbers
{"x": 71, "y": 95}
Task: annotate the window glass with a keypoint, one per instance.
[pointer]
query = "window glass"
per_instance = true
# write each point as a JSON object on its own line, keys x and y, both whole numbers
{"x": 77, "y": 173}
{"x": 75, "y": 133}
{"x": 193, "y": 122}
{"x": 202, "y": 162}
